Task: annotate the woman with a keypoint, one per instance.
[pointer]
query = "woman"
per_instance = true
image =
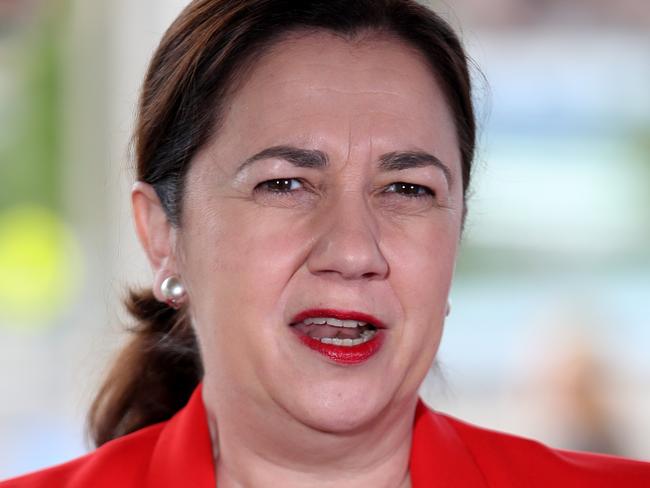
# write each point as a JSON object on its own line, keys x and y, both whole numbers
{"x": 302, "y": 170}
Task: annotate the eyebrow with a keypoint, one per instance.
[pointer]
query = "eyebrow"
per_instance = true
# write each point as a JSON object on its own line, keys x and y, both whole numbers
{"x": 301, "y": 158}
{"x": 401, "y": 160}
{"x": 313, "y": 158}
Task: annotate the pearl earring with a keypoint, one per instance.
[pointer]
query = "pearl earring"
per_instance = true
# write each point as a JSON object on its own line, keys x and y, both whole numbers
{"x": 448, "y": 311}
{"x": 173, "y": 290}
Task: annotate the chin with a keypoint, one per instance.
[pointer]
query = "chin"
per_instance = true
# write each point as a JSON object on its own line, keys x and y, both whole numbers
{"x": 339, "y": 408}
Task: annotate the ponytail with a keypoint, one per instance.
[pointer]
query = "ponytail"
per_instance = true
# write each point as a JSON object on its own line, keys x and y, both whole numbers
{"x": 152, "y": 377}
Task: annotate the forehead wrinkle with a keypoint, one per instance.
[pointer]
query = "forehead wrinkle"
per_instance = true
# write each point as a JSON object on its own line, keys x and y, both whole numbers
{"x": 347, "y": 158}
{"x": 342, "y": 85}
{"x": 340, "y": 91}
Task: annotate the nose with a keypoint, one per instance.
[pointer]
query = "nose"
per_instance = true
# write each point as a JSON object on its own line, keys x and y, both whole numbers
{"x": 347, "y": 243}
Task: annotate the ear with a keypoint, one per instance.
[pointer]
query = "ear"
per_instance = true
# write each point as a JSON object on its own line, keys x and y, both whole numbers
{"x": 155, "y": 233}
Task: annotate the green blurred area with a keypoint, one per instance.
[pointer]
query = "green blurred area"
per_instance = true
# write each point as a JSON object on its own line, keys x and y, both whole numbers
{"x": 39, "y": 256}
{"x": 528, "y": 231}
{"x": 31, "y": 149}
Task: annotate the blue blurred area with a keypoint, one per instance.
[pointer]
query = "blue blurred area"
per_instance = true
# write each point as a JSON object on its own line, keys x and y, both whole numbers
{"x": 550, "y": 330}
{"x": 39, "y": 441}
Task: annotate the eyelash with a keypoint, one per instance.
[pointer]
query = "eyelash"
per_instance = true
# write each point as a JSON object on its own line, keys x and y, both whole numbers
{"x": 268, "y": 185}
{"x": 410, "y": 190}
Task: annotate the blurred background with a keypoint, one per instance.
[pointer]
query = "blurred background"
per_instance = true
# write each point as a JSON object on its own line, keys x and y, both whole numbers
{"x": 549, "y": 334}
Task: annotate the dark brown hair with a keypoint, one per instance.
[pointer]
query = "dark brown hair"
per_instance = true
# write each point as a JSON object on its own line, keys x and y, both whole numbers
{"x": 191, "y": 74}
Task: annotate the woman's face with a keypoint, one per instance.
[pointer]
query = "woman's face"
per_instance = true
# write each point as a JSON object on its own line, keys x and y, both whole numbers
{"x": 298, "y": 209}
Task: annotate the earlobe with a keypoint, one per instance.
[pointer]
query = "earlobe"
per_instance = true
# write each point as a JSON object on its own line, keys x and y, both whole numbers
{"x": 156, "y": 234}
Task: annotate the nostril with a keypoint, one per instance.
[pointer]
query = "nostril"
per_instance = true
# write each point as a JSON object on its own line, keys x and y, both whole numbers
{"x": 370, "y": 275}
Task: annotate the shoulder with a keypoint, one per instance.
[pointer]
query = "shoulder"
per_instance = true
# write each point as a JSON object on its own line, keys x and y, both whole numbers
{"x": 508, "y": 460}
{"x": 122, "y": 462}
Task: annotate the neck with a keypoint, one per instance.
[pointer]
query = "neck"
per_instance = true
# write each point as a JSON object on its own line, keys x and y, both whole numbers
{"x": 266, "y": 447}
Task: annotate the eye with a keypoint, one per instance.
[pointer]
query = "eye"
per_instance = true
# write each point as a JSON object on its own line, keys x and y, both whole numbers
{"x": 409, "y": 190}
{"x": 280, "y": 185}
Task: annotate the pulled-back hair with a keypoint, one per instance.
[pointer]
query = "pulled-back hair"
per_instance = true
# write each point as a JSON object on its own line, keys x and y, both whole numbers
{"x": 195, "y": 69}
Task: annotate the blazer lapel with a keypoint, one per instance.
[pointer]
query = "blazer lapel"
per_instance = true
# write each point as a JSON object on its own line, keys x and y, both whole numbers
{"x": 438, "y": 455}
{"x": 183, "y": 452}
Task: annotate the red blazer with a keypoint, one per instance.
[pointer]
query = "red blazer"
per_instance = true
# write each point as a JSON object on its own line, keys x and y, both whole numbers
{"x": 445, "y": 453}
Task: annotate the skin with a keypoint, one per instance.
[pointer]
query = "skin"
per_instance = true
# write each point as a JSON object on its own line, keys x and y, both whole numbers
{"x": 252, "y": 258}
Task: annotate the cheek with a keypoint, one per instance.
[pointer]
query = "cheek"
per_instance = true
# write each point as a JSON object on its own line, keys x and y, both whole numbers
{"x": 422, "y": 268}
{"x": 422, "y": 262}
{"x": 421, "y": 280}
{"x": 238, "y": 269}
{"x": 240, "y": 262}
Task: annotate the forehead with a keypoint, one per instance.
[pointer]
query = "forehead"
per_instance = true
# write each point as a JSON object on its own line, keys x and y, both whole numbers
{"x": 308, "y": 56}
{"x": 318, "y": 88}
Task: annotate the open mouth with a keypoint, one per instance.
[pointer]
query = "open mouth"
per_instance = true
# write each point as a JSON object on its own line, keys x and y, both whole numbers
{"x": 329, "y": 330}
{"x": 345, "y": 337}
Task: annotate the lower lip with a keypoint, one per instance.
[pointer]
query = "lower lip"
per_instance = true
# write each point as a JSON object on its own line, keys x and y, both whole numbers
{"x": 346, "y": 354}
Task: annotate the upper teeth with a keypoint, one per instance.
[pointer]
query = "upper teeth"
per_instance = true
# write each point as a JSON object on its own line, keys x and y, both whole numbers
{"x": 333, "y": 322}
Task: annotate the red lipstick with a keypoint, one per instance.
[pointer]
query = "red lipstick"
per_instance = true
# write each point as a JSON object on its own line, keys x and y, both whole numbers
{"x": 342, "y": 354}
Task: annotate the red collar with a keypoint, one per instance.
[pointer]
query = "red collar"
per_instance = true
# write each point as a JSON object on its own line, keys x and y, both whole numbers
{"x": 438, "y": 456}
{"x": 183, "y": 452}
